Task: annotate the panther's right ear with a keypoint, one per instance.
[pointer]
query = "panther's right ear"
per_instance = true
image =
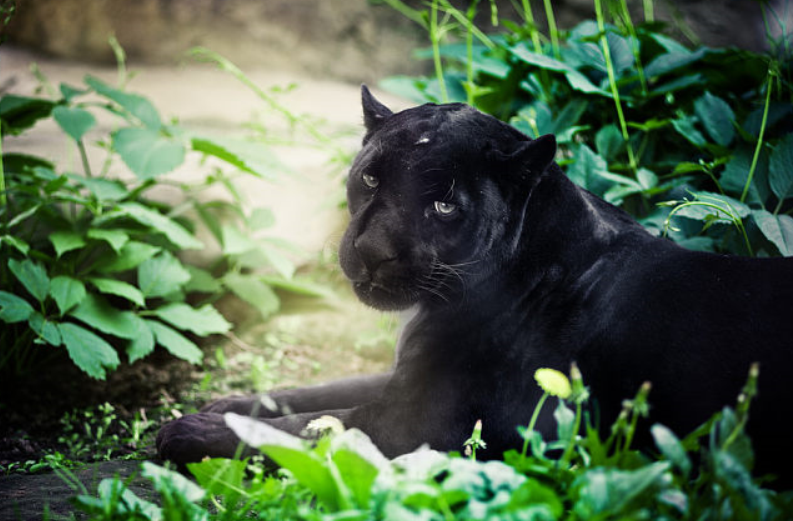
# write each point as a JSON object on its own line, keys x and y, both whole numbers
{"x": 536, "y": 155}
{"x": 374, "y": 112}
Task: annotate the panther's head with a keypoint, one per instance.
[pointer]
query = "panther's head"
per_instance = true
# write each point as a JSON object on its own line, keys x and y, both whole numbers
{"x": 437, "y": 197}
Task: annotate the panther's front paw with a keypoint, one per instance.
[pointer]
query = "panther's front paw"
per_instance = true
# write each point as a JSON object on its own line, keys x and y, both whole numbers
{"x": 196, "y": 436}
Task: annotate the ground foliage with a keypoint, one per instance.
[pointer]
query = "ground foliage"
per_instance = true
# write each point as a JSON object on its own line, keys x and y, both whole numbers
{"x": 696, "y": 142}
{"x": 89, "y": 263}
{"x": 575, "y": 476}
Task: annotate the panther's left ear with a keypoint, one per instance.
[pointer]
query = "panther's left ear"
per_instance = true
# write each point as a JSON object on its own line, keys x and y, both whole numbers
{"x": 536, "y": 155}
{"x": 374, "y": 112}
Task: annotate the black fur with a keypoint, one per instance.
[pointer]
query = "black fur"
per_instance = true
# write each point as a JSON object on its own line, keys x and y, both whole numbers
{"x": 517, "y": 268}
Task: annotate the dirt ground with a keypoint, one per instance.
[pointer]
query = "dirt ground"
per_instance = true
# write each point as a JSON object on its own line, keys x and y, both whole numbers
{"x": 311, "y": 340}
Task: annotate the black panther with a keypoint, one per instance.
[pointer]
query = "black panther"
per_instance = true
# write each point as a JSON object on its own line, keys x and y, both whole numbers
{"x": 508, "y": 267}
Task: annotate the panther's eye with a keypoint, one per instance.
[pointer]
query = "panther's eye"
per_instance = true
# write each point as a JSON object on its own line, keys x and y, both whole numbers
{"x": 444, "y": 209}
{"x": 370, "y": 181}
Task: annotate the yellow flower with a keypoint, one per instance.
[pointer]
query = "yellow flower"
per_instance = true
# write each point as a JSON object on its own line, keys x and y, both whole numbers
{"x": 553, "y": 382}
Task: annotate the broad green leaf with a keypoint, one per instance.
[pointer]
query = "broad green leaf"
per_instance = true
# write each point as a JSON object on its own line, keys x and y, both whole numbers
{"x": 608, "y": 141}
{"x": 675, "y": 59}
{"x": 588, "y": 170}
{"x": 709, "y": 205}
{"x": 175, "y": 343}
{"x": 202, "y": 321}
{"x": 235, "y": 242}
{"x": 118, "y": 288}
{"x": 608, "y": 490}
{"x": 32, "y": 275}
{"x": 143, "y": 343}
{"x": 777, "y": 228}
{"x": 261, "y": 219}
{"x": 116, "y": 239}
{"x": 169, "y": 483}
{"x": 74, "y": 121}
{"x": 174, "y": 231}
{"x": 717, "y": 117}
{"x": 19, "y": 113}
{"x": 780, "y": 175}
{"x": 220, "y": 476}
{"x": 248, "y": 156}
{"x": 671, "y": 448}
{"x": 45, "y": 329}
{"x": 13, "y": 309}
{"x": 88, "y": 351}
{"x": 576, "y": 79}
{"x": 299, "y": 286}
{"x": 685, "y": 127}
{"x": 98, "y": 313}
{"x": 736, "y": 173}
{"x": 68, "y": 92}
{"x": 253, "y": 291}
{"x": 279, "y": 261}
{"x": 66, "y": 292}
{"x": 137, "y": 105}
{"x": 132, "y": 255}
{"x": 15, "y": 242}
{"x": 102, "y": 189}
{"x": 66, "y": 241}
{"x": 147, "y": 152}
{"x": 161, "y": 275}
{"x": 564, "y": 422}
{"x": 289, "y": 452}
{"x": 201, "y": 281}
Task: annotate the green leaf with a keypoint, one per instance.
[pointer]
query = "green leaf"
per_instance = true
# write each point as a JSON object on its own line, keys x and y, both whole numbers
{"x": 66, "y": 241}
{"x": 220, "y": 476}
{"x": 97, "y": 313}
{"x": 714, "y": 205}
{"x": 279, "y": 261}
{"x": 13, "y": 309}
{"x": 671, "y": 448}
{"x": 776, "y": 228}
{"x": 132, "y": 255}
{"x": 143, "y": 343}
{"x": 780, "y": 175}
{"x": 118, "y": 288}
{"x": 137, "y": 105}
{"x": 576, "y": 79}
{"x": 609, "y": 491}
{"x": 174, "y": 231}
{"x": 19, "y": 113}
{"x": 736, "y": 172}
{"x": 248, "y": 156}
{"x": 102, "y": 189}
{"x": 235, "y": 242}
{"x": 88, "y": 351}
{"x": 32, "y": 275}
{"x": 717, "y": 117}
{"x": 587, "y": 171}
{"x": 253, "y": 291}
{"x": 175, "y": 343}
{"x": 68, "y": 92}
{"x": 170, "y": 483}
{"x": 202, "y": 321}
{"x": 45, "y": 329}
{"x": 66, "y": 292}
{"x": 291, "y": 453}
{"x": 116, "y": 239}
{"x": 201, "y": 281}
{"x": 147, "y": 152}
{"x": 16, "y": 243}
{"x": 685, "y": 127}
{"x": 161, "y": 275}
{"x": 74, "y": 121}
{"x": 261, "y": 219}
{"x": 608, "y": 141}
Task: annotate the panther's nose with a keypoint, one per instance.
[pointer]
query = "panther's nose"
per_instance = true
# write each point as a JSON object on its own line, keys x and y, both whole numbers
{"x": 373, "y": 254}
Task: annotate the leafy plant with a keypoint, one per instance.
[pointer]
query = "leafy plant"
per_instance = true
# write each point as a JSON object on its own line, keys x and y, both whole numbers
{"x": 641, "y": 119}
{"x": 344, "y": 476}
{"x": 88, "y": 262}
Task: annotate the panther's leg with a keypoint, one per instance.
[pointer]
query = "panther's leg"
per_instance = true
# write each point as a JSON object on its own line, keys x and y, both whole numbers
{"x": 340, "y": 394}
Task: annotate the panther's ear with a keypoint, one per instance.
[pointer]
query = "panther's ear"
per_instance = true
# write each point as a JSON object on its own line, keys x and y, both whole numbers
{"x": 374, "y": 112}
{"x": 536, "y": 155}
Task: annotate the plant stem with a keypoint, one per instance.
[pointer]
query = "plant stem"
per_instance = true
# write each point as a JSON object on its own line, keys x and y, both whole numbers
{"x": 626, "y": 16}
{"x": 552, "y": 29}
{"x": 435, "y": 38}
{"x": 528, "y": 16}
{"x": 613, "y": 83}
{"x": 568, "y": 451}
{"x": 759, "y": 138}
{"x": 649, "y": 15}
{"x": 84, "y": 158}
{"x": 532, "y": 422}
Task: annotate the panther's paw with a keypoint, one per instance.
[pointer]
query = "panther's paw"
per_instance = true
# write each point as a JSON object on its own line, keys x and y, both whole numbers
{"x": 196, "y": 436}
